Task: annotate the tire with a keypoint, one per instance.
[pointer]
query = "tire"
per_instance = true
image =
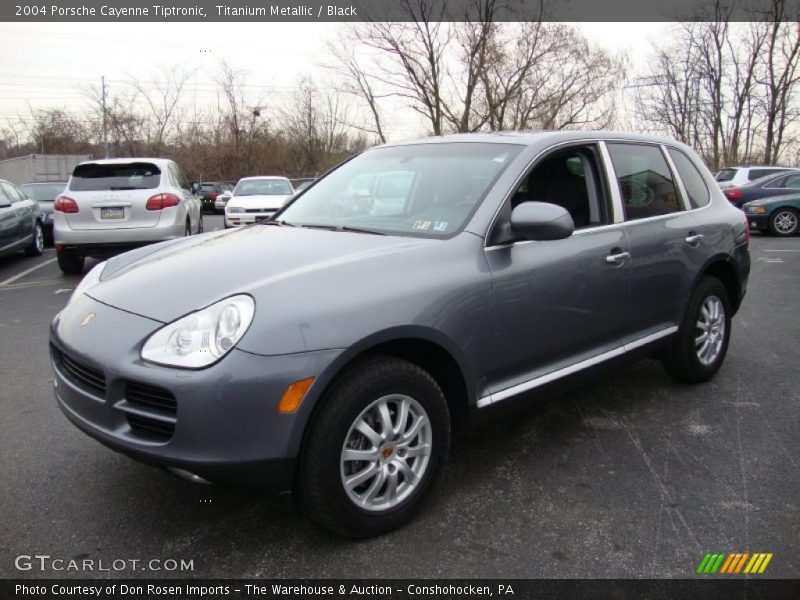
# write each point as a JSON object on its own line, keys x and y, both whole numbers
{"x": 685, "y": 360}
{"x": 784, "y": 222}
{"x": 36, "y": 247}
{"x": 70, "y": 263}
{"x": 188, "y": 231}
{"x": 358, "y": 396}
{"x": 200, "y": 226}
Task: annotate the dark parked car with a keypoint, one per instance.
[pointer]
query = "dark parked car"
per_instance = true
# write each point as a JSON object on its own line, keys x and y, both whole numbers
{"x": 338, "y": 361}
{"x": 771, "y": 185}
{"x": 779, "y": 215}
{"x": 20, "y": 222}
{"x": 45, "y": 193}
{"x": 208, "y": 192}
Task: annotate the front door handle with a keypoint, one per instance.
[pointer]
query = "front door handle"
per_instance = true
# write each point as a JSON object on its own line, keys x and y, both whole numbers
{"x": 694, "y": 238}
{"x": 617, "y": 258}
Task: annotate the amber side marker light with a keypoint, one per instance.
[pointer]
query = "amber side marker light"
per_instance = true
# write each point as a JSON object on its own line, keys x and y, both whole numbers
{"x": 293, "y": 395}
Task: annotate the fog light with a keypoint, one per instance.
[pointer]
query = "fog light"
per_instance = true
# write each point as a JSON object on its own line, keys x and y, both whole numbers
{"x": 293, "y": 395}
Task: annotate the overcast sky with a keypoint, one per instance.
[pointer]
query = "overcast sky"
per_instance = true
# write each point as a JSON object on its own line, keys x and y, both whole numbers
{"x": 48, "y": 64}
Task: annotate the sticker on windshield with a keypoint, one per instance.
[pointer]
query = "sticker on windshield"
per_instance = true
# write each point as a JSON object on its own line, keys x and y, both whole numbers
{"x": 422, "y": 225}
{"x": 440, "y": 226}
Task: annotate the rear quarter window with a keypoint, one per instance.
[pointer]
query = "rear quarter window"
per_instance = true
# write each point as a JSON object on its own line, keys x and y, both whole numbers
{"x": 692, "y": 179}
{"x": 113, "y": 177}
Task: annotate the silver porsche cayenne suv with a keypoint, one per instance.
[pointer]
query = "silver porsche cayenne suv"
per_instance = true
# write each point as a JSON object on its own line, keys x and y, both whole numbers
{"x": 331, "y": 350}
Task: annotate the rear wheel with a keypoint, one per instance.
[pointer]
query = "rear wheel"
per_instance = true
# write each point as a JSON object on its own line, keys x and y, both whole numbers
{"x": 188, "y": 231}
{"x": 69, "y": 262}
{"x": 784, "y": 222}
{"x": 200, "y": 224}
{"x": 374, "y": 448}
{"x": 36, "y": 247}
{"x": 700, "y": 345}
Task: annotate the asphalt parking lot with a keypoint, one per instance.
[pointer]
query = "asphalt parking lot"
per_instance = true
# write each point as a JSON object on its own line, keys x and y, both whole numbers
{"x": 633, "y": 476}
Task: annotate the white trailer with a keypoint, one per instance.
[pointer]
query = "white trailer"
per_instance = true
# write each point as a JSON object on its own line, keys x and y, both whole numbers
{"x": 40, "y": 167}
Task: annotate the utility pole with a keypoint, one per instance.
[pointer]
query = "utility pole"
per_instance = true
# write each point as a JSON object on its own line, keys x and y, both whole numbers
{"x": 105, "y": 119}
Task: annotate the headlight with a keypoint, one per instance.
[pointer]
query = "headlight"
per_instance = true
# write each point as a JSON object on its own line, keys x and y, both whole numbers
{"x": 233, "y": 209}
{"x": 756, "y": 209}
{"x": 203, "y": 337}
{"x": 91, "y": 279}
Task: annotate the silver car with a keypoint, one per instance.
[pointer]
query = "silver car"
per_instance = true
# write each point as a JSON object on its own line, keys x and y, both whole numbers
{"x": 331, "y": 350}
{"x": 113, "y": 205}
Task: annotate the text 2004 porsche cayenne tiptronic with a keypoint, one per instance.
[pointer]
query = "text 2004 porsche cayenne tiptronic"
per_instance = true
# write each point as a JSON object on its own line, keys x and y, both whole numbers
{"x": 330, "y": 351}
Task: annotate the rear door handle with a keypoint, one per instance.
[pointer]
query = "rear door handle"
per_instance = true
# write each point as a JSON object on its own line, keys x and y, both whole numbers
{"x": 694, "y": 238}
{"x": 617, "y": 258}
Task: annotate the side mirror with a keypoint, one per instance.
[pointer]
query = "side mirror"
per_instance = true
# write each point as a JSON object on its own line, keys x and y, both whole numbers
{"x": 541, "y": 221}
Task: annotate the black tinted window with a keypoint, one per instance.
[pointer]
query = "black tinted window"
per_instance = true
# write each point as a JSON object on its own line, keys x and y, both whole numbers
{"x": 754, "y": 174}
{"x": 645, "y": 181}
{"x": 123, "y": 176}
{"x": 692, "y": 180}
{"x": 725, "y": 175}
{"x": 43, "y": 192}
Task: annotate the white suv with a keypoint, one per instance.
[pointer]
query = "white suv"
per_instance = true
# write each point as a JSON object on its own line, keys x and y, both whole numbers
{"x": 114, "y": 205}
{"x": 730, "y": 176}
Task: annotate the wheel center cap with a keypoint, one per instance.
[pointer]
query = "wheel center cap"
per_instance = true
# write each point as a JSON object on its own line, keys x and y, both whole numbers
{"x": 386, "y": 452}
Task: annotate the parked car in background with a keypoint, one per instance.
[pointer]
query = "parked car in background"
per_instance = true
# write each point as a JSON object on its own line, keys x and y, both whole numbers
{"x": 778, "y": 215}
{"x": 331, "y": 352}
{"x": 20, "y": 222}
{"x": 45, "y": 193}
{"x": 221, "y": 201}
{"x": 113, "y": 205}
{"x": 785, "y": 182}
{"x": 208, "y": 192}
{"x": 742, "y": 175}
{"x": 256, "y": 198}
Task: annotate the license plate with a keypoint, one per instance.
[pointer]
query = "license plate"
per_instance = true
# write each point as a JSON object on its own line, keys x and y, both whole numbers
{"x": 112, "y": 213}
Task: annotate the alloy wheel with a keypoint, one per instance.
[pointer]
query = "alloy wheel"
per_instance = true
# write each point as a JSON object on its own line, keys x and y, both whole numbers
{"x": 711, "y": 327}
{"x": 785, "y": 222}
{"x": 386, "y": 452}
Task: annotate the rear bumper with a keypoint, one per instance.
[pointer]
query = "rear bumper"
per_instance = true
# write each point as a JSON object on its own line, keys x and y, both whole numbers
{"x": 106, "y": 242}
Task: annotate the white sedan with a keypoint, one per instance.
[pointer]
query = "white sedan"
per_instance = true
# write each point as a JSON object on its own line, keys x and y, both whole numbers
{"x": 255, "y": 199}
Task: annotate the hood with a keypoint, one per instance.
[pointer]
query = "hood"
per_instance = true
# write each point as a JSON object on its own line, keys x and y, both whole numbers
{"x": 168, "y": 280}
{"x": 268, "y": 202}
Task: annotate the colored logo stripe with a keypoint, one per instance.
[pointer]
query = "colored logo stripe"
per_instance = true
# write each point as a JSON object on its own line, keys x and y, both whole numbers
{"x": 734, "y": 562}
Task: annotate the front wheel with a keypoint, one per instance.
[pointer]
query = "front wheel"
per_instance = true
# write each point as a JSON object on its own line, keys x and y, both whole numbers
{"x": 374, "y": 448}
{"x": 784, "y": 222}
{"x": 701, "y": 343}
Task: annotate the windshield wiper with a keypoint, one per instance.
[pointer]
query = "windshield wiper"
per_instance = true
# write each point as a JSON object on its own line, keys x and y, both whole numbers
{"x": 344, "y": 228}
{"x": 277, "y": 223}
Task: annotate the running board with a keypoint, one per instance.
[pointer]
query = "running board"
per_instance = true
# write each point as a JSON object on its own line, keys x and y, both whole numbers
{"x": 574, "y": 368}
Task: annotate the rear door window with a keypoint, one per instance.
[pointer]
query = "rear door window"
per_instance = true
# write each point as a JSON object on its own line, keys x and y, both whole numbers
{"x": 645, "y": 181}
{"x": 113, "y": 177}
{"x": 792, "y": 182}
{"x": 692, "y": 180}
{"x": 754, "y": 174}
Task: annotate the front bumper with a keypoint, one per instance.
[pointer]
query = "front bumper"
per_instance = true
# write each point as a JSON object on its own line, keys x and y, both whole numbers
{"x": 235, "y": 219}
{"x": 758, "y": 221}
{"x": 220, "y": 423}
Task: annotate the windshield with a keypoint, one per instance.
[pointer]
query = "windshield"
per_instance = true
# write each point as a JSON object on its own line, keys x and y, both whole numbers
{"x": 119, "y": 176}
{"x": 263, "y": 187}
{"x": 43, "y": 192}
{"x": 425, "y": 190}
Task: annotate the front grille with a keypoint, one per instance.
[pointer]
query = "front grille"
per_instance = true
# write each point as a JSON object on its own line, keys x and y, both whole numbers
{"x": 83, "y": 376}
{"x": 151, "y": 429}
{"x": 259, "y": 211}
{"x": 146, "y": 396}
{"x": 150, "y": 411}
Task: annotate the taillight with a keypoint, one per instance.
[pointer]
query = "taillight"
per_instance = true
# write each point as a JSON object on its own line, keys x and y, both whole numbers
{"x": 162, "y": 201}
{"x": 213, "y": 195}
{"x": 732, "y": 193}
{"x": 65, "y": 204}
